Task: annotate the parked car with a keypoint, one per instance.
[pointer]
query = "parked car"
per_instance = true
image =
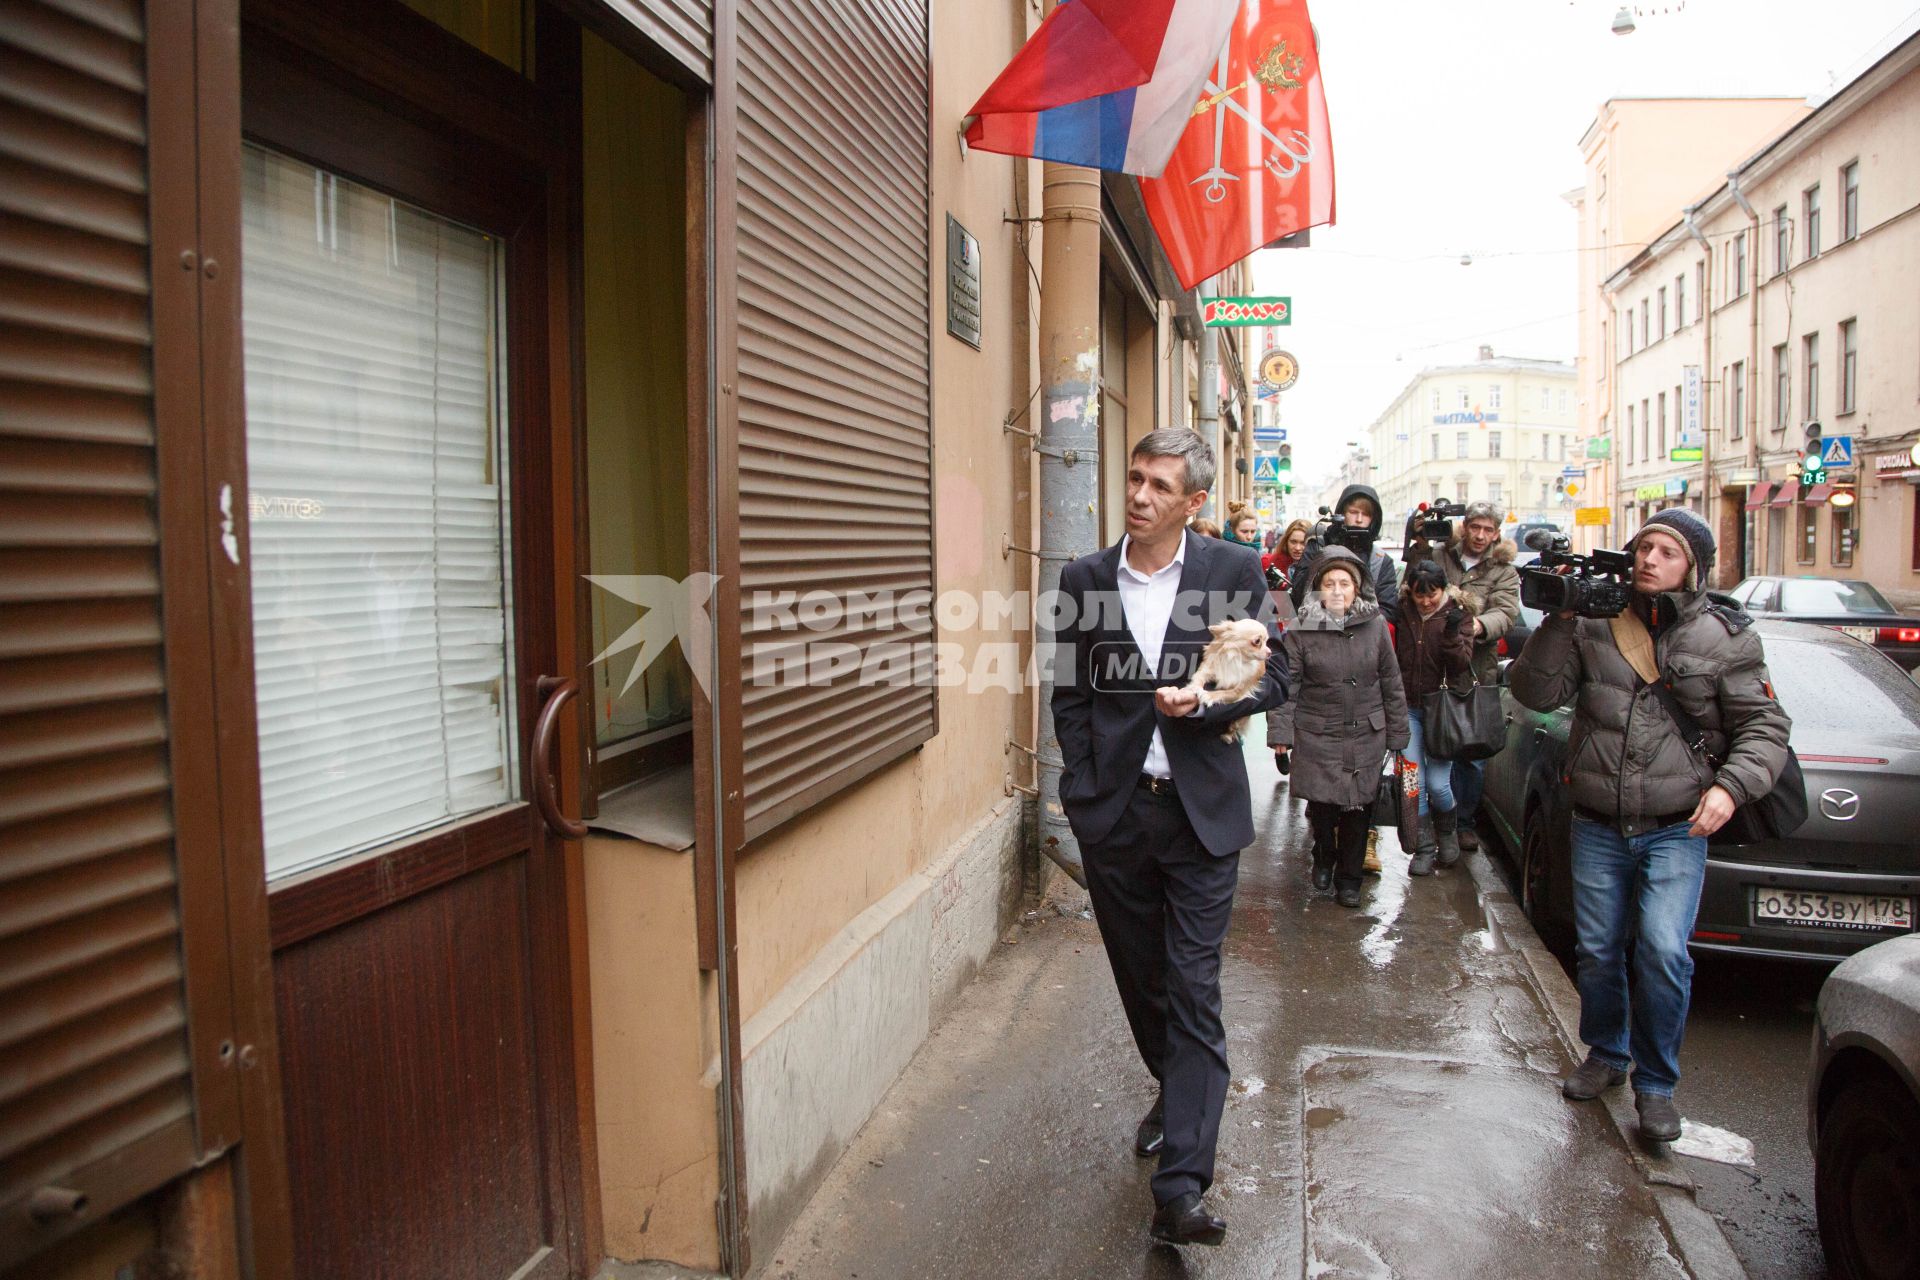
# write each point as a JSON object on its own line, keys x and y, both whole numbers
{"x": 1863, "y": 1113}
{"x": 1519, "y": 530}
{"x": 1510, "y": 644}
{"x": 1845, "y": 880}
{"x": 1846, "y": 604}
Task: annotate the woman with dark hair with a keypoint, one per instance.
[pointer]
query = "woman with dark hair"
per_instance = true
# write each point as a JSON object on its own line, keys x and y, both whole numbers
{"x": 1434, "y": 643}
{"x": 1288, "y": 548}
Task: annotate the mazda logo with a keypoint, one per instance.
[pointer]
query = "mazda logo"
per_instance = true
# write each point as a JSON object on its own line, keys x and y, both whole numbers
{"x": 1840, "y": 804}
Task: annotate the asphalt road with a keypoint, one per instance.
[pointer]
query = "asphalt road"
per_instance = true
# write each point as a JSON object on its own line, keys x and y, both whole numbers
{"x": 1744, "y": 1068}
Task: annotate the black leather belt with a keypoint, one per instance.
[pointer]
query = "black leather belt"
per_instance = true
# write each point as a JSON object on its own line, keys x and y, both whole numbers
{"x": 1633, "y": 826}
{"x": 1159, "y": 786}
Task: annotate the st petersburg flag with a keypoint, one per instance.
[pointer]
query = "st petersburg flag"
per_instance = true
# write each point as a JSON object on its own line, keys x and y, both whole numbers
{"x": 1109, "y": 84}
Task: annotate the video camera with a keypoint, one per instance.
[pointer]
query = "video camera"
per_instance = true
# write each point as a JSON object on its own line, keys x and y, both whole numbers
{"x": 1597, "y": 587}
{"x": 1334, "y": 531}
{"x": 1433, "y": 521}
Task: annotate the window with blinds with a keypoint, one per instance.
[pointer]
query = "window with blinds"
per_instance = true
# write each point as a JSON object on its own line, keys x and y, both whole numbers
{"x": 378, "y": 511}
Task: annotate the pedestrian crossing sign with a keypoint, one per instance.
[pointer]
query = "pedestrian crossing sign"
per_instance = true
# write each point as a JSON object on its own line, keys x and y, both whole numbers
{"x": 1838, "y": 452}
{"x": 1266, "y": 468}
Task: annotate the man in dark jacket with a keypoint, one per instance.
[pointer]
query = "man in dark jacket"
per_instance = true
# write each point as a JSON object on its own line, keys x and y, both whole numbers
{"x": 1645, "y": 801}
{"x": 1479, "y": 566}
{"x": 1158, "y": 800}
{"x": 1360, "y": 506}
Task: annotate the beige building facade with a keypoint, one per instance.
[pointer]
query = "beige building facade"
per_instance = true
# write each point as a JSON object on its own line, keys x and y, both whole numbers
{"x": 1500, "y": 429}
{"x": 1645, "y": 158}
{"x": 1798, "y": 309}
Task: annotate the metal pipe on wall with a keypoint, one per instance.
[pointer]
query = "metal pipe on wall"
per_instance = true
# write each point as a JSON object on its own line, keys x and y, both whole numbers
{"x": 1069, "y": 446}
{"x": 1208, "y": 409}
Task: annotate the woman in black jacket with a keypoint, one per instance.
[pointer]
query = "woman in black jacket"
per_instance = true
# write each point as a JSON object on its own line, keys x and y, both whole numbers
{"x": 1434, "y": 643}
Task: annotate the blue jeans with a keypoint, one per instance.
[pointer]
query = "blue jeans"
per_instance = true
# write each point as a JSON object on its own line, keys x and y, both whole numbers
{"x": 1638, "y": 893}
{"x": 1469, "y": 780}
{"x": 1436, "y": 776}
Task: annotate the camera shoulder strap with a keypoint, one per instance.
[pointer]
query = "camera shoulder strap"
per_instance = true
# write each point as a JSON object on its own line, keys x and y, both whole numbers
{"x": 1635, "y": 642}
{"x": 1691, "y": 730}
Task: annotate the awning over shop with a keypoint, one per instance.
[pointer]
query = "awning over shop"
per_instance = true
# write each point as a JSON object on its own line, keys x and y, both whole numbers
{"x": 1819, "y": 494}
{"x": 1785, "y": 494}
{"x": 1757, "y": 496}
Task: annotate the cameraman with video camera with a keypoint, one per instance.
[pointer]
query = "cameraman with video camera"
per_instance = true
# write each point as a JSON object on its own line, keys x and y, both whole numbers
{"x": 1479, "y": 566}
{"x": 1355, "y": 524}
{"x": 1644, "y": 800}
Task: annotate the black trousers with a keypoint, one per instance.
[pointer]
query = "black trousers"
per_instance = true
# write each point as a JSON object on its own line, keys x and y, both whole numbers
{"x": 1163, "y": 903}
{"x": 1339, "y": 837}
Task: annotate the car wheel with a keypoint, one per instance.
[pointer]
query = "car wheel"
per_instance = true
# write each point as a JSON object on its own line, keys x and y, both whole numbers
{"x": 1535, "y": 880}
{"x": 1866, "y": 1181}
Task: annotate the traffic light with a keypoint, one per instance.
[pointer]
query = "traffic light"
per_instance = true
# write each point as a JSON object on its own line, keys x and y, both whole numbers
{"x": 1813, "y": 467}
{"x": 1286, "y": 457}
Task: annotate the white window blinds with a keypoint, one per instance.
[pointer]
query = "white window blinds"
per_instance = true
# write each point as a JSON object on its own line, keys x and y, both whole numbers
{"x": 381, "y": 603}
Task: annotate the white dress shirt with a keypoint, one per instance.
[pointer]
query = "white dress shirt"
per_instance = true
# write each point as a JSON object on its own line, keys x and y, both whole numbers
{"x": 1147, "y": 601}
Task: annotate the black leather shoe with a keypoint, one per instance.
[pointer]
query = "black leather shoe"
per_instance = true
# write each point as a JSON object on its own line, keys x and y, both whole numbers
{"x": 1185, "y": 1220}
{"x": 1323, "y": 875}
{"x": 1348, "y": 897}
{"x": 1659, "y": 1118}
{"x": 1152, "y": 1133}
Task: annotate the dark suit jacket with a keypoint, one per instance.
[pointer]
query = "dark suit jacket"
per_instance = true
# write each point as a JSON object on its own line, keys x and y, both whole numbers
{"x": 1103, "y": 712}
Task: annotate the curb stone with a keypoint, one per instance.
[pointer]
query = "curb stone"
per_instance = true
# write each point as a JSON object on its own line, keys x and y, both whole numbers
{"x": 1697, "y": 1235}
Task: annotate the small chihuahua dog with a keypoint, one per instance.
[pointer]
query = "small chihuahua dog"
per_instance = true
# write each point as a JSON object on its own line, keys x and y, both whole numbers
{"x": 1233, "y": 662}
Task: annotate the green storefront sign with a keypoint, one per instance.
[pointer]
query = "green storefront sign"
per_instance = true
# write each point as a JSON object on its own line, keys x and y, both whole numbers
{"x": 1220, "y": 313}
{"x": 1694, "y": 454}
{"x": 1600, "y": 447}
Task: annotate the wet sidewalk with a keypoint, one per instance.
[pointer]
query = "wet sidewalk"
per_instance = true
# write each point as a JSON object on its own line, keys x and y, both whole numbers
{"x": 1394, "y": 1109}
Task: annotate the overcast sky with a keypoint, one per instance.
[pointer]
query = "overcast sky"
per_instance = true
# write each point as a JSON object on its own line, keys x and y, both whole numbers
{"x": 1456, "y": 127}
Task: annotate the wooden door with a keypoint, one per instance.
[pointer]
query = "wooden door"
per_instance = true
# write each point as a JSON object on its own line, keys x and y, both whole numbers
{"x": 396, "y": 336}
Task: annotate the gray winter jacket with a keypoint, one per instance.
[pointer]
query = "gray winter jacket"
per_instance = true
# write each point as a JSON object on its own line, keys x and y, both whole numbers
{"x": 1625, "y": 756}
{"x": 1349, "y": 708}
{"x": 1490, "y": 591}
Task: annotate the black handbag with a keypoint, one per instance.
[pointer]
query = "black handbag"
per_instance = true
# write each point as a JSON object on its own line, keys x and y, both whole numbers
{"x": 1463, "y": 724}
{"x": 1773, "y": 816}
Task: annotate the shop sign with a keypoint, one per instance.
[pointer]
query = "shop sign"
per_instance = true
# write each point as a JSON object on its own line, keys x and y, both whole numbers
{"x": 1650, "y": 492}
{"x": 1690, "y": 398}
{"x": 1242, "y": 313}
{"x": 1676, "y": 488}
{"x": 1897, "y": 466}
{"x": 1279, "y": 370}
{"x": 1464, "y": 418}
{"x": 1600, "y": 447}
{"x": 1687, "y": 454}
{"x": 1592, "y": 515}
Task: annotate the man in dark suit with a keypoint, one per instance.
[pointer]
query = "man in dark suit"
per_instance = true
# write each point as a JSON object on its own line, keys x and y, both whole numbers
{"x": 1159, "y": 803}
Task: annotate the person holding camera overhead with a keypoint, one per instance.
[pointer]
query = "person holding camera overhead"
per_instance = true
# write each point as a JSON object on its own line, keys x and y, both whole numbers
{"x": 1478, "y": 563}
{"x": 1644, "y": 798}
{"x": 1355, "y": 524}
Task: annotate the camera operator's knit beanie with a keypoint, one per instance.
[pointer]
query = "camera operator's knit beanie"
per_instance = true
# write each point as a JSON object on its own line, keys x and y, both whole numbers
{"x": 1694, "y": 535}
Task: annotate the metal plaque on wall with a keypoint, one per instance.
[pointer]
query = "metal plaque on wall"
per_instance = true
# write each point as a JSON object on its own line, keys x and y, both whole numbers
{"x": 963, "y": 284}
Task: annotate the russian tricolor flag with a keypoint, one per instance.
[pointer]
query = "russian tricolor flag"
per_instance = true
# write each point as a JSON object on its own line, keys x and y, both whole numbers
{"x": 1109, "y": 84}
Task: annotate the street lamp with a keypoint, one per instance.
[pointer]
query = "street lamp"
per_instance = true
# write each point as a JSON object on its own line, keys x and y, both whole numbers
{"x": 1623, "y": 22}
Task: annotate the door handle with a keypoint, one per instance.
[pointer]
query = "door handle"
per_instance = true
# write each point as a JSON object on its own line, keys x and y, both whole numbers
{"x": 554, "y": 693}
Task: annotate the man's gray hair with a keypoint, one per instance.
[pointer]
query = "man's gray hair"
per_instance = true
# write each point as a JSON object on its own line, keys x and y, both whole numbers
{"x": 1178, "y": 442}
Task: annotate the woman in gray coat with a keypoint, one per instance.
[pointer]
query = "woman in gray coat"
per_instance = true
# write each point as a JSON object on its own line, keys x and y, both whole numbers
{"x": 1348, "y": 710}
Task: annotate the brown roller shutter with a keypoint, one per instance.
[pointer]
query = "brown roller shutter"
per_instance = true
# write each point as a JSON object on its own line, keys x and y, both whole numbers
{"x": 683, "y": 28}
{"x": 835, "y": 448}
{"x": 97, "y": 1092}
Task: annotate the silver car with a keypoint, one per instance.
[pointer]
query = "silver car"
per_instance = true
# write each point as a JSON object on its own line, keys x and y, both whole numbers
{"x": 1863, "y": 1113}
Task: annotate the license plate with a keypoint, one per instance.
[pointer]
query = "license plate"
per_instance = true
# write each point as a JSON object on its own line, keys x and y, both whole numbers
{"x": 1869, "y": 634}
{"x": 1832, "y": 910}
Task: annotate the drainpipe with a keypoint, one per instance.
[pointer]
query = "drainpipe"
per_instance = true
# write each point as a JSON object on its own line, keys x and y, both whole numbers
{"x": 1753, "y": 314}
{"x": 1208, "y": 410}
{"x": 1069, "y": 440}
{"x": 1687, "y": 216}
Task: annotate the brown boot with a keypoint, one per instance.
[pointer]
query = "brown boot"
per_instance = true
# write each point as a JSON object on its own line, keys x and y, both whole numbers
{"x": 1370, "y": 865}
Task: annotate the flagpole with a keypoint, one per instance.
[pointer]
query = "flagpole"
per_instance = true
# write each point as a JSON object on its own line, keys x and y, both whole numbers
{"x": 1069, "y": 439}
